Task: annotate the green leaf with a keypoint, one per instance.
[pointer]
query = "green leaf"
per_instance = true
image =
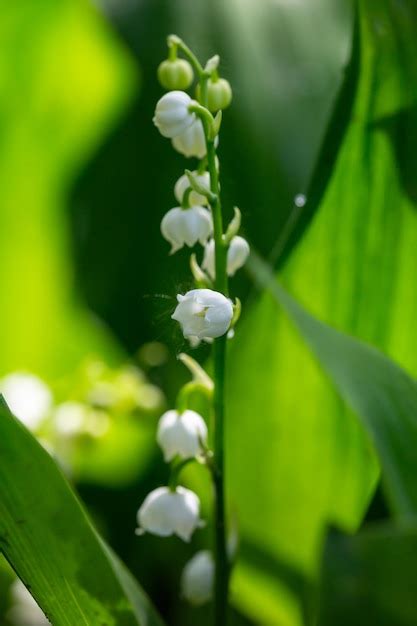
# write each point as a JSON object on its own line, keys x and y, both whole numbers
{"x": 50, "y": 542}
{"x": 380, "y": 392}
{"x": 354, "y": 268}
{"x": 370, "y": 579}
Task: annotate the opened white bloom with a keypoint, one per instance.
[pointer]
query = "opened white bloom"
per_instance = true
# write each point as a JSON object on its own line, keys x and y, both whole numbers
{"x": 24, "y": 608}
{"x": 191, "y": 142}
{"x": 198, "y": 578}
{"x": 172, "y": 115}
{"x": 28, "y": 397}
{"x": 237, "y": 255}
{"x": 165, "y": 512}
{"x": 203, "y": 313}
{"x": 181, "y": 434}
{"x": 186, "y": 226}
{"x": 183, "y": 184}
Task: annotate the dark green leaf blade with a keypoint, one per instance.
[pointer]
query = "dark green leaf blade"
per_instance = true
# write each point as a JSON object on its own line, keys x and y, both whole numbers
{"x": 49, "y": 541}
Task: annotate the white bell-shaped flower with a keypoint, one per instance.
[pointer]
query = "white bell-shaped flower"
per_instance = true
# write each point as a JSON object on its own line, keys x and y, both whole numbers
{"x": 172, "y": 115}
{"x": 28, "y": 397}
{"x": 203, "y": 313}
{"x": 186, "y": 226}
{"x": 165, "y": 512}
{"x": 194, "y": 198}
{"x": 191, "y": 142}
{"x": 237, "y": 255}
{"x": 197, "y": 578}
{"x": 181, "y": 434}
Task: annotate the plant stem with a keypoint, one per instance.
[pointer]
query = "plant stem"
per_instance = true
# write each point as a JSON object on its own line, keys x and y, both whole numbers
{"x": 219, "y": 352}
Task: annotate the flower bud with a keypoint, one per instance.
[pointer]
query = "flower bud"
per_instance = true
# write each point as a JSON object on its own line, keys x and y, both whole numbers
{"x": 183, "y": 183}
{"x": 175, "y": 74}
{"x": 165, "y": 512}
{"x": 203, "y": 314}
{"x": 197, "y": 578}
{"x": 186, "y": 226}
{"x": 237, "y": 256}
{"x": 181, "y": 433}
{"x": 172, "y": 116}
{"x": 219, "y": 94}
{"x": 191, "y": 142}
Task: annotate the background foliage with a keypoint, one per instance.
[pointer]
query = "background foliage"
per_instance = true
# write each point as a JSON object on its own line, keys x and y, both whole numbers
{"x": 324, "y": 106}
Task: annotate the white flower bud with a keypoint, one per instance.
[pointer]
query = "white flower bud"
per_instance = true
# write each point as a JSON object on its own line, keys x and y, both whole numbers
{"x": 165, "y": 512}
{"x": 183, "y": 184}
{"x": 28, "y": 397}
{"x": 191, "y": 142}
{"x": 172, "y": 115}
{"x": 198, "y": 578}
{"x": 181, "y": 433}
{"x": 237, "y": 256}
{"x": 203, "y": 313}
{"x": 186, "y": 226}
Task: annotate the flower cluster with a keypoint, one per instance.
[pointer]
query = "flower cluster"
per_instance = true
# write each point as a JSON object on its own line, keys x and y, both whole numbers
{"x": 205, "y": 313}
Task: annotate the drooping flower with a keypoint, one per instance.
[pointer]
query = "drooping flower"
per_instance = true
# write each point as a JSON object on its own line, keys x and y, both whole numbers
{"x": 186, "y": 226}
{"x": 191, "y": 142}
{"x": 28, "y": 397}
{"x": 172, "y": 115}
{"x": 181, "y": 434}
{"x": 203, "y": 313}
{"x": 165, "y": 512}
{"x": 237, "y": 256}
{"x": 175, "y": 74}
{"x": 198, "y": 578}
{"x": 194, "y": 198}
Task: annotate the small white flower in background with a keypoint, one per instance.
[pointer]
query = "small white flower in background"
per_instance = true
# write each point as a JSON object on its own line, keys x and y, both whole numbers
{"x": 70, "y": 418}
{"x": 165, "y": 512}
{"x": 186, "y": 226}
{"x": 181, "y": 434}
{"x": 198, "y": 578}
{"x": 191, "y": 142}
{"x": 203, "y": 313}
{"x": 24, "y": 611}
{"x": 237, "y": 255}
{"x": 28, "y": 397}
{"x": 183, "y": 184}
{"x": 172, "y": 115}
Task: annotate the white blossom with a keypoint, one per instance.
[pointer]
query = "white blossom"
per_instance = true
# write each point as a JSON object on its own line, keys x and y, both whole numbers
{"x": 237, "y": 256}
{"x": 24, "y": 609}
{"x": 186, "y": 226}
{"x": 28, "y": 397}
{"x": 181, "y": 434}
{"x": 183, "y": 184}
{"x": 198, "y": 578}
{"x": 191, "y": 142}
{"x": 203, "y": 313}
{"x": 165, "y": 512}
{"x": 172, "y": 115}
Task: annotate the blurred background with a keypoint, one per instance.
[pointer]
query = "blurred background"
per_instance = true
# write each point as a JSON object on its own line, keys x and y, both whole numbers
{"x": 88, "y": 287}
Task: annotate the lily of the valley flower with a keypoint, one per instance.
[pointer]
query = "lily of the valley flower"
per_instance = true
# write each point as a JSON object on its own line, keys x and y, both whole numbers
{"x": 237, "y": 256}
{"x": 183, "y": 184}
{"x": 165, "y": 512}
{"x": 28, "y": 397}
{"x": 181, "y": 434}
{"x": 172, "y": 114}
{"x": 198, "y": 578}
{"x": 186, "y": 226}
{"x": 191, "y": 142}
{"x": 203, "y": 313}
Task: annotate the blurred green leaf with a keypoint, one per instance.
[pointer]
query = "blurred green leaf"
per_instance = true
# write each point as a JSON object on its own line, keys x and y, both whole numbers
{"x": 63, "y": 81}
{"x": 354, "y": 269}
{"x": 370, "y": 579}
{"x": 51, "y": 544}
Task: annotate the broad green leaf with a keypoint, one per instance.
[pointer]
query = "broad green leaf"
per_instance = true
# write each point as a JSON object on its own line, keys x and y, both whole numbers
{"x": 381, "y": 393}
{"x": 50, "y": 542}
{"x": 295, "y": 452}
{"x": 63, "y": 81}
{"x": 370, "y": 579}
